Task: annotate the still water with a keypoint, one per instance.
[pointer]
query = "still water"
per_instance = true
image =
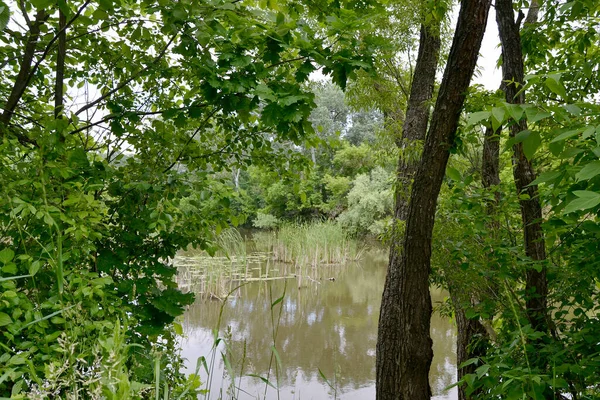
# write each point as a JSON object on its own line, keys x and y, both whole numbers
{"x": 325, "y": 326}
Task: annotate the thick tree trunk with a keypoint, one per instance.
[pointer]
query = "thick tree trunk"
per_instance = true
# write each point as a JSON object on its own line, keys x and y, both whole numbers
{"x": 524, "y": 174}
{"x": 417, "y": 113}
{"x": 404, "y": 350}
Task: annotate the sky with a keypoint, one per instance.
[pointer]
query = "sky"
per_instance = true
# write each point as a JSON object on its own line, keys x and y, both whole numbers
{"x": 489, "y": 76}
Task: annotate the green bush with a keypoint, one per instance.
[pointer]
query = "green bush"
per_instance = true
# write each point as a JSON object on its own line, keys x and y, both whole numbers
{"x": 370, "y": 203}
{"x": 266, "y": 221}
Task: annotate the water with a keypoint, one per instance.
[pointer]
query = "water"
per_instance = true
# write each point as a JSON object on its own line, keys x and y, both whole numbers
{"x": 326, "y": 325}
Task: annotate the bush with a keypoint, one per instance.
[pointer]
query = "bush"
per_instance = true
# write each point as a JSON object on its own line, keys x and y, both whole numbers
{"x": 370, "y": 203}
{"x": 265, "y": 221}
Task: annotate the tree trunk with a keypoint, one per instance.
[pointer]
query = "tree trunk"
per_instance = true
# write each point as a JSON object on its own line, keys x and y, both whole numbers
{"x": 524, "y": 174}
{"x": 404, "y": 350}
{"x": 25, "y": 68}
{"x": 60, "y": 66}
{"x": 490, "y": 172}
{"x": 417, "y": 113}
{"x": 470, "y": 343}
{"x": 471, "y": 333}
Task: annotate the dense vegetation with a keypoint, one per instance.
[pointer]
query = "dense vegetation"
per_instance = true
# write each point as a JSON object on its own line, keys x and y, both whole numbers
{"x": 132, "y": 130}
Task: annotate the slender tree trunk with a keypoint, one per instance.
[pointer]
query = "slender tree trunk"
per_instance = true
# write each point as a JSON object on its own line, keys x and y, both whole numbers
{"x": 404, "y": 350}
{"x": 25, "y": 68}
{"x": 417, "y": 113}
{"x": 470, "y": 343}
{"x": 60, "y": 66}
{"x": 471, "y": 333}
{"x": 524, "y": 174}
{"x": 490, "y": 173}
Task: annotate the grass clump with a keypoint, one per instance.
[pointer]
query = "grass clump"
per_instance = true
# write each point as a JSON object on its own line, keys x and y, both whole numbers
{"x": 314, "y": 244}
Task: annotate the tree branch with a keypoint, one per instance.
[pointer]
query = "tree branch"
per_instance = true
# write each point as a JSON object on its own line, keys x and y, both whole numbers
{"x": 114, "y": 116}
{"x": 190, "y": 140}
{"x": 22, "y": 79}
{"x": 128, "y": 80}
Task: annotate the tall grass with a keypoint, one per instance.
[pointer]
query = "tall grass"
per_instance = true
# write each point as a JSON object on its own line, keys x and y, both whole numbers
{"x": 285, "y": 253}
{"x": 313, "y": 244}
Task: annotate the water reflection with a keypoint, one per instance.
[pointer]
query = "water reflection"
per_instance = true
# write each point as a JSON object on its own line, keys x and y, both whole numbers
{"x": 326, "y": 325}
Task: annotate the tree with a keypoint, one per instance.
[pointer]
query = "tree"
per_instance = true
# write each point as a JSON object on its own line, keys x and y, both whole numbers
{"x": 404, "y": 345}
{"x": 524, "y": 174}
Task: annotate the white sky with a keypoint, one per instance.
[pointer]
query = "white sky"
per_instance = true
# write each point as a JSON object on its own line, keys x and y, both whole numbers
{"x": 489, "y": 76}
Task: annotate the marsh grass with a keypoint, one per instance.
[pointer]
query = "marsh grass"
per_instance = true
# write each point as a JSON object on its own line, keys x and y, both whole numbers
{"x": 312, "y": 244}
{"x": 301, "y": 251}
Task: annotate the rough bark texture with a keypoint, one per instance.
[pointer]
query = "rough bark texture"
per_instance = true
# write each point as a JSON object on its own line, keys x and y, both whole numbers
{"x": 404, "y": 350}
{"x": 524, "y": 174}
{"x": 470, "y": 343}
{"x": 417, "y": 113}
{"x": 490, "y": 166}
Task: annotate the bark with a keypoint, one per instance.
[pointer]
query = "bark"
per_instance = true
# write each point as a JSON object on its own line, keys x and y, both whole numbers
{"x": 60, "y": 65}
{"x": 523, "y": 172}
{"x": 532, "y": 14}
{"x": 24, "y": 69}
{"x": 404, "y": 350}
{"x": 471, "y": 341}
{"x": 417, "y": 114}
{"x": 490, "y": 169}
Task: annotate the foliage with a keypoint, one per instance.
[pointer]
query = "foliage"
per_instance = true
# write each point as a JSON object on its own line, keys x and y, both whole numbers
{"x": 370, "y": 202}
{"x": 266, "y": 221}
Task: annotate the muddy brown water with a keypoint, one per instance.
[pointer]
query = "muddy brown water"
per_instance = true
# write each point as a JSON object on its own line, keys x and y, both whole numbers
{"x": 325, "y": 326}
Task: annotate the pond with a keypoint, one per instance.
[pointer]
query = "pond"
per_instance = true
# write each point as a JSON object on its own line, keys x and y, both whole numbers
{"x": 326, "y": 329}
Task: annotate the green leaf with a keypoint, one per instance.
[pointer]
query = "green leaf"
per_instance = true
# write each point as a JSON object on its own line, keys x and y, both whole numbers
{"x": 515, "y": 111}
{"x": 589, "y": 131}
{"x": 546, "y": 177}
{"x": 534, "y": 115}
{"x": 477, "y": 117}
{"x": 573, "y": 109}
{"x": 277, "y": 301}
{"x": 518, "y": 138}
{"x": 585, "y": 201}
{"x": 566, "y": 135}
{"x": 589, "y": 171}
{"x": 6, "y": 255}
{"x": 498, "y": 114}
{"x": 177, "y": 328}
{"x": 454, "y": 174}
{"x": 531, "y": 143}
{"x": 555, "y": 85}
{"x": 39, "y": 4}
{"x": 34, "y": 267}
{"x": 5, "y": 319}
{"x": 481, "y": 371}
{"x": 4, "y": 16}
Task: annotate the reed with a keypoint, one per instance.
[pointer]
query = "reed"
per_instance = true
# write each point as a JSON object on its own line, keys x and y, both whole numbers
{"x": 288, "y": 252}
{"x": 314, "y": 244}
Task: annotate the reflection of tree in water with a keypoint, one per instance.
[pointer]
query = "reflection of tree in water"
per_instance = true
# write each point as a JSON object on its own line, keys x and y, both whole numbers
{"x": 330, "y": 325}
